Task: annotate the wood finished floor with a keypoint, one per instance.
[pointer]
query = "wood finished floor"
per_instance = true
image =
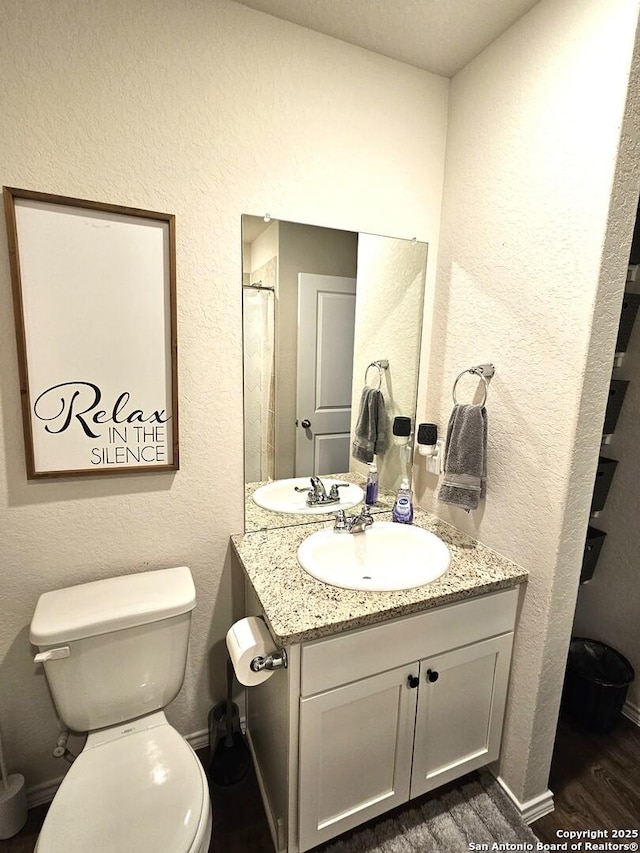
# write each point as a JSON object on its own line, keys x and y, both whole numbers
{"x": 595, "y": 780}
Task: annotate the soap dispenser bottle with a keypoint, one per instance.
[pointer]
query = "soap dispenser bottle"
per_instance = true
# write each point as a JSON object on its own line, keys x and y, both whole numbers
{"x": 403, "y": 507}
{"x": 371, "y": 489}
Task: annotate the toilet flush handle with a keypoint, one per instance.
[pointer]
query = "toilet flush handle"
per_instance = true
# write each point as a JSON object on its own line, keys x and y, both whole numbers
{"x": 52, "y": 654}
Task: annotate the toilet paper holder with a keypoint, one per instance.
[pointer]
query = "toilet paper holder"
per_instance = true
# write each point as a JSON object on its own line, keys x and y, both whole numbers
{"x": 275, "y": 660}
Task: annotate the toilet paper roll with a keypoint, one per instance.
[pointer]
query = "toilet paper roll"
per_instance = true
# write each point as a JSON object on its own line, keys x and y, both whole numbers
{"x": 246, "y": 639}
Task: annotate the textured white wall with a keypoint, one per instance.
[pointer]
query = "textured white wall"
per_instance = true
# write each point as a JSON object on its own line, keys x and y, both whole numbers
{"x": 534, "y": 128}
{"x": 608, "y": 605}
{"x": 204, "y": 110}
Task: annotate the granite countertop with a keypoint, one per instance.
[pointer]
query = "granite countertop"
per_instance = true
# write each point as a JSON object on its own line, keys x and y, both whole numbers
{"x": 299, "y": 608}
{"x": 257, "y": 518}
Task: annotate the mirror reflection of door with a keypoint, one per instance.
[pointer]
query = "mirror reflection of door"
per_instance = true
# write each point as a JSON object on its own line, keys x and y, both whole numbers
{"x": 326, "y": 317}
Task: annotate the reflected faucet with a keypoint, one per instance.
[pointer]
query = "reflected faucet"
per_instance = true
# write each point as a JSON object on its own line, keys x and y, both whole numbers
{"x": 353, "y": 523}
{"x": 317, "y": 494}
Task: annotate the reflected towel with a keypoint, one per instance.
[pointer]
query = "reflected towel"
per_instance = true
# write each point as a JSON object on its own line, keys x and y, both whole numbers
{"x": 370, "y": 435}
{"x": 465, "y": 463}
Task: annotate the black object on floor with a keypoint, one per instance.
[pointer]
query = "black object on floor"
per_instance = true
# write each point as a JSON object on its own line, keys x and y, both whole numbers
{"x": 230, "y": 761}
{"x": 596, "y": 684}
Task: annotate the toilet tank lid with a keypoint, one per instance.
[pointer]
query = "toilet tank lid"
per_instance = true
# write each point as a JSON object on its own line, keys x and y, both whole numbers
{"x": 112, "y": 604}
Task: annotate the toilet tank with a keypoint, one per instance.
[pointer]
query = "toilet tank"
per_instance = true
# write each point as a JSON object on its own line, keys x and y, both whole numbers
{"x": 115, "y": 649}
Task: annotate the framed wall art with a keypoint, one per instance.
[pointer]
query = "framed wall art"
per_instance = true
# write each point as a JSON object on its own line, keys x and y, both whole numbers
{"x": 94, "y": 290}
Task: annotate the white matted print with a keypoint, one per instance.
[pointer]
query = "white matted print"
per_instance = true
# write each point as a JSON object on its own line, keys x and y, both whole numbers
{"x": 94, "y": 298}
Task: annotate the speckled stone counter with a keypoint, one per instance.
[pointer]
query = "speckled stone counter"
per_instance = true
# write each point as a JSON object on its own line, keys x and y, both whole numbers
{"x": 257, "y": 518}
{"x": 299, "y": 608}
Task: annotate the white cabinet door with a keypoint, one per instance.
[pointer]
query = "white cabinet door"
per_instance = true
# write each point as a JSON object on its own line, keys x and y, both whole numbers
{"x": 355, "y": 753}
{"x": 461, "y": 705}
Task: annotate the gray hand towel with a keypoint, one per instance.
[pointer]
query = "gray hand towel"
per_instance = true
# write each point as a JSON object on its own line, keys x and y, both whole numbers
{"x": 465, "y": 464}
{"x": 371, "y": 427}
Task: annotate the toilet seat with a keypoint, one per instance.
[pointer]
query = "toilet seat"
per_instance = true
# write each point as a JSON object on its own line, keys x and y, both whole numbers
{"x": 143, "y": 792}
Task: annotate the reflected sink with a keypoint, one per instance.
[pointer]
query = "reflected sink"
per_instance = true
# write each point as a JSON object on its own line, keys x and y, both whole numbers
{"x": 280, "y": 496}
{"x": 386, "y": 556}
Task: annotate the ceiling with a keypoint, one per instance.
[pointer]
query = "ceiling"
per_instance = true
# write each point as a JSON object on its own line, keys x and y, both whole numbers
{"x": 441, "y": 36}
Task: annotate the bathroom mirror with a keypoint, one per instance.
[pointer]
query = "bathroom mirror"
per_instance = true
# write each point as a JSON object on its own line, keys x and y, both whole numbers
{"x": 321, "y": 305}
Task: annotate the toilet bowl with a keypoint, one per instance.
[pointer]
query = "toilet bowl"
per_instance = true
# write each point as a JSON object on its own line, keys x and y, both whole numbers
{"x": 112, "y": 650}
{"x": 138, "y": 788}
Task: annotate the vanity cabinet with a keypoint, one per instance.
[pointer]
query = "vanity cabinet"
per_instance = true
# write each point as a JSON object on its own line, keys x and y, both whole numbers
{"x": 460, "y": 714}
{"x": 376, "y": 716}
{"x": 356, "y": 746}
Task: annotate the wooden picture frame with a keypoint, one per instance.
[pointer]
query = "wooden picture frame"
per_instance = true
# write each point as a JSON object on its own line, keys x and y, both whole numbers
{"x": 94, "y": 294}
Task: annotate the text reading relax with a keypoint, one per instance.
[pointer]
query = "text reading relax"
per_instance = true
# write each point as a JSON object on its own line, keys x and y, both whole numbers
{"x": 79, "y": 401}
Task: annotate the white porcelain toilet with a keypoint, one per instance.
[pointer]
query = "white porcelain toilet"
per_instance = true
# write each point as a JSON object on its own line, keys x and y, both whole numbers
{"x": 114, "y": 653}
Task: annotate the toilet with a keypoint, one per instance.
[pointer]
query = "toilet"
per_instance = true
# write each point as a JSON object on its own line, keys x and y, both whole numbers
{"x": 114, "y": 652}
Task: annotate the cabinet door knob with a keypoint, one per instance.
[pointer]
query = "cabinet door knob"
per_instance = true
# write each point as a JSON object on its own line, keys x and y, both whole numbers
{"x": 413, "y": 681}
{"x": 432, "y": 675}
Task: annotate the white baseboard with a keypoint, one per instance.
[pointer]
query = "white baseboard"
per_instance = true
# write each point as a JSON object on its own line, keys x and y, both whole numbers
{"x": 632, "y": 712}
{"x": 198, "y": 740}
{"x": 44, "y": 792}
{"x": 38, "y": 795}
{"x": 532, "y": 809}
{"x": 538, "y": 807}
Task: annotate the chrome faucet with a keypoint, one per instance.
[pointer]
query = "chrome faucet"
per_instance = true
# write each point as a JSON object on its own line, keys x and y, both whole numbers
{"x": 353, "y": 523}
{"x": 317, "y": 494}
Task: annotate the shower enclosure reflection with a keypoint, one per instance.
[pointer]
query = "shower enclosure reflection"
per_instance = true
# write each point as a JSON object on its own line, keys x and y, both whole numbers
{"x": 319, "y": 305}
{"x": 258, "y": 308}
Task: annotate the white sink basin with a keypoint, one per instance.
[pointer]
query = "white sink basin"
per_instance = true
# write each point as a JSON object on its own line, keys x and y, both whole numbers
{"x": 281, "y": 496}
{"x": 386, "y": 556}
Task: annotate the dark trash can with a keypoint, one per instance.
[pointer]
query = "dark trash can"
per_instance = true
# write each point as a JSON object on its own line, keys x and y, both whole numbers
{"x": 595, "y": 685}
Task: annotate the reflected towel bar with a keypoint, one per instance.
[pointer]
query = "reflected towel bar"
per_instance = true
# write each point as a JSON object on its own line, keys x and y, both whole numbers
{"x": 381, "y": 364}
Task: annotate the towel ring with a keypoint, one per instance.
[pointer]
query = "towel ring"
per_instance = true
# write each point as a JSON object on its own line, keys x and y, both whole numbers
{"x": 484, "y": 371}
{"x": 381, "y": 364}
